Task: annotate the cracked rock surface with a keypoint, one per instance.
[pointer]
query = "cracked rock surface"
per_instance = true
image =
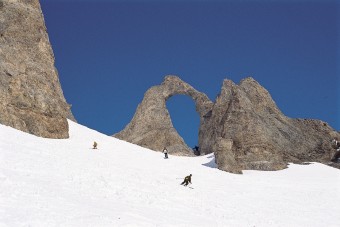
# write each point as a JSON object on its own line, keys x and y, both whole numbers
{"x": 31, "y": 98}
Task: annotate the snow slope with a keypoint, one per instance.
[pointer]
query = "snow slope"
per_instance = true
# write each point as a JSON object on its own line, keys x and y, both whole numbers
{"x": 47, "y": 182}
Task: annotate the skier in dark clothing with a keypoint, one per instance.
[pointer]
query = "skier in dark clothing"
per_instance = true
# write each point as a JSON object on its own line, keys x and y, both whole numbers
{"x": 196, "y": 150}
{"x": 165, "y": 151}
{"x": 187, "y": 180}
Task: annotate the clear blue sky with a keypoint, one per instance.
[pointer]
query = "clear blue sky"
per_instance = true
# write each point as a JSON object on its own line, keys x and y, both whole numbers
{"x": 108, "y": 53}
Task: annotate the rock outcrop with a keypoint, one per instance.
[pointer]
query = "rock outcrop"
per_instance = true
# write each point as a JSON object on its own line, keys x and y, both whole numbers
{"x": 262, "y": 137}
{"x": 151, "y": 125}
{"x": 243, "y": 128}
{"x": 31, "y": 98}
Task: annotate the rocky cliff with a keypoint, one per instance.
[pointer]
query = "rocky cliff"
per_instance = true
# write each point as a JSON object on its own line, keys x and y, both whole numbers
{"x": 243, "y": 128}
{"x": 31, "y": 98}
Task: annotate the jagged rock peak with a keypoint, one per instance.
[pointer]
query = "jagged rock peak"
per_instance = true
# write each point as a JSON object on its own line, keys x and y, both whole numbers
{"x": 31, "y": 98}
{"x": 262, "y": 137}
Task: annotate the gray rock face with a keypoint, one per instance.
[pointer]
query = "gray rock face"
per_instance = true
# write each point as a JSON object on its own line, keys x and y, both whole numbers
{"x": 262, "y": 137}
{"x": 243, "y": 128}
{"x": 151, "y": 125}
{"x": 225, "y": 157}
{"x": 31, "y": 98}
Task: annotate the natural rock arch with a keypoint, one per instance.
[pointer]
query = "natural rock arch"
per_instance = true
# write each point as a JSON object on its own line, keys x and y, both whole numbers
{"x": 151, "y": 125}
{"x": 243, "y": 128}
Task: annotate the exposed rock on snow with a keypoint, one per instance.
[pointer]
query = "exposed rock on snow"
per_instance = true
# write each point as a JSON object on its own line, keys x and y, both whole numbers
{"x": 31, "y": 98}
{"x": 244, "y": 128}
{"x": 225, "y": 156}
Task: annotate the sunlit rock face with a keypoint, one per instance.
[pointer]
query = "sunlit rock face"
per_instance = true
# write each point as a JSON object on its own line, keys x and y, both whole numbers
{"x": 31, "y": 98}
{"x": 243, "y": 128}
{"x": 151, "y": 125}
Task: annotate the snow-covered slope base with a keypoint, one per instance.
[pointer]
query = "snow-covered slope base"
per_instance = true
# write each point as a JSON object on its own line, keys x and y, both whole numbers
{"x": 46, "y": 182}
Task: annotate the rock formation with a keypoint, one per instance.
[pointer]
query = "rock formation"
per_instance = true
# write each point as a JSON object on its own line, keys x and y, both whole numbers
{"x": 243, "y": 128}
{"x": 151, "y": 125}
{"x": 31, "y": 98}
{"x": 261, "y": 136}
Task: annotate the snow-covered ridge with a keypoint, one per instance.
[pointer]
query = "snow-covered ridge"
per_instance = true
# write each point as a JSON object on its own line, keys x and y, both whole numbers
{"x": 48, "y": 182}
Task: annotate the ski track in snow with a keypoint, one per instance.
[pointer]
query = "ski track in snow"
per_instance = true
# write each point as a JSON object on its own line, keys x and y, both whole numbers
{"x": 49, "y": 182}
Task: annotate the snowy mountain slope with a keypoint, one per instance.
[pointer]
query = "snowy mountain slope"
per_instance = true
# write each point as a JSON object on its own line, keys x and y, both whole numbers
{"x": 46, "y": 182}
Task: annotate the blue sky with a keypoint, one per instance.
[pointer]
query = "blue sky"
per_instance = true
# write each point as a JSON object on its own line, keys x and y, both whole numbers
{"x": 108, "y": 53}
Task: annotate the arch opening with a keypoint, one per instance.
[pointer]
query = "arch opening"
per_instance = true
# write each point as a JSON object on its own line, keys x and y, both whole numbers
{"x": 185, "y": 119}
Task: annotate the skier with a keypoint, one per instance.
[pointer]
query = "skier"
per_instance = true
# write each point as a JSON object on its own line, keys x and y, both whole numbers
{"x": 95, "y": 145}
{"x": 196, "y": 150}
{"x": 165, "y": 151}
{"x": 337, "y": 153}
{"x": 187, "y": 180}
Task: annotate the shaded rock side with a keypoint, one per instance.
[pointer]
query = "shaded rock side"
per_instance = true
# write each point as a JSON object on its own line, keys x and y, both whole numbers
{"x": 31, "y": 98}
{"x": 225, "y": 155}
{"x": 261, "y": 137}
{"x": 151, "y": 126}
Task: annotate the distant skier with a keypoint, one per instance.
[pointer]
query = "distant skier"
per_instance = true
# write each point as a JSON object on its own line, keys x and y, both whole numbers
{"x": 196, "y": 150}
{"x": 165, "y": 151}
{"x": 187, "y": 180}
{"x": 95, "y": 145}
{"x": 336, "y": 156}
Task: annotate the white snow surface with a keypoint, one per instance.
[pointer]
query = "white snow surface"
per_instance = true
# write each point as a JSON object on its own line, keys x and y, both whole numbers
{"x": 49, "y": 182}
